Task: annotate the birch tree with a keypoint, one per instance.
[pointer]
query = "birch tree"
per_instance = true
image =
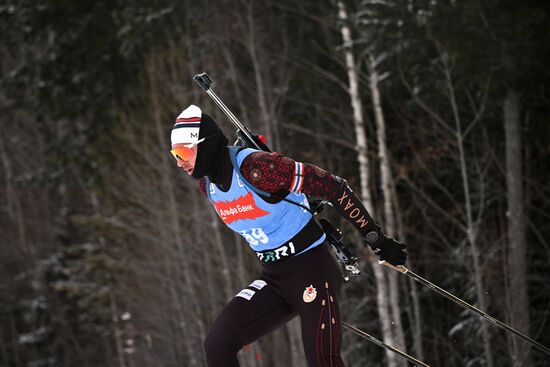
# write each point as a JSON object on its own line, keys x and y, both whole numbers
{"x": 382, "y": 291}
{"x": 390, "y": 216}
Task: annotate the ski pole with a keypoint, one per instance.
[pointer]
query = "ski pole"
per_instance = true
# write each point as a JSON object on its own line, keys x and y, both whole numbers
{"x": 402, "y": 269}
{"x": 372, "y": 339}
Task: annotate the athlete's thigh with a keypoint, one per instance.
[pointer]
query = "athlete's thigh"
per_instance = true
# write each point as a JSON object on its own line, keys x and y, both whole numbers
{"x": 322, "y": 325}
{"x": 313, "y": 293}
{"x": 254, "y": 312}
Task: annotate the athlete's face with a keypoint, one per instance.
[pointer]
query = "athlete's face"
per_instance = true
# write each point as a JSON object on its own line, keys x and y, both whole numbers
{"x": 189, "y": 164}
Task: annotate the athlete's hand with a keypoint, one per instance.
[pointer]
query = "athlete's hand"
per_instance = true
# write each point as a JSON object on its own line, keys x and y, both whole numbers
{"x": 391, "y": 251}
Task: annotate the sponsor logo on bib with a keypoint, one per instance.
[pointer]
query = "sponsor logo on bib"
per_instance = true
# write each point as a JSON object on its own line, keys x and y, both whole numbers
{"x": 242, "y": 208}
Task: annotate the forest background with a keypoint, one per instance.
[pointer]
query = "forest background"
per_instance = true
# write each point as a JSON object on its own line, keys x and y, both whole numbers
{"x": 436, "y": 112}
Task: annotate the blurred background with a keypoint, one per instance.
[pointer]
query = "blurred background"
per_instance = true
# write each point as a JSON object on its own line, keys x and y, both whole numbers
{"x": 436, "y": 112}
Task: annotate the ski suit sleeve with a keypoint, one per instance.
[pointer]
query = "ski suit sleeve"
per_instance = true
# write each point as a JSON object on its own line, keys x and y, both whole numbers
{"x": 277, "y": 174}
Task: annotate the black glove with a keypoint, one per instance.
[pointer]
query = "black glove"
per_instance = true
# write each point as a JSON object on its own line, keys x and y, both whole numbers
{"x": 387, "y": 248}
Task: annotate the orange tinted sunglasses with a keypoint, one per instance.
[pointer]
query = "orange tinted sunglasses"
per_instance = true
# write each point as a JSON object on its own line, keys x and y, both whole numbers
{"x": 185, "y": 151}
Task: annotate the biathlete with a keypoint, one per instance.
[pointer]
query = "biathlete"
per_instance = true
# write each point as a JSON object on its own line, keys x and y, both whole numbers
{"x": 262, "y": 196}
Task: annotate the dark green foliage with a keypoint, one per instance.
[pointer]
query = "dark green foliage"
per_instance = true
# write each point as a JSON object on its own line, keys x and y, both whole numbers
{"x": 97, "y": 222}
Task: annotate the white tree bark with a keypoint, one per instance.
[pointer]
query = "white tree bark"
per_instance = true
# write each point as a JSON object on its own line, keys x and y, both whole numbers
{"x": 390, "y": 219}
{"x": 382, "y": 292}
{"x": 362, "y": 151}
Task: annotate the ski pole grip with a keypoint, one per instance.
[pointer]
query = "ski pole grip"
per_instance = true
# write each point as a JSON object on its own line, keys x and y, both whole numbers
{"x": 203, "y": 80}
{"x": 399, "y": 268}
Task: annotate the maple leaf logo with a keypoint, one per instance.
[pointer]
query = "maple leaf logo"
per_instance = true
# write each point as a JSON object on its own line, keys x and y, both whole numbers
{"x": 243, "y": 207}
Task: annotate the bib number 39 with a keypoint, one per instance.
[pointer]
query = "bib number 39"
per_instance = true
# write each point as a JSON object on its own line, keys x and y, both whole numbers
{"x": 255, "y": 236}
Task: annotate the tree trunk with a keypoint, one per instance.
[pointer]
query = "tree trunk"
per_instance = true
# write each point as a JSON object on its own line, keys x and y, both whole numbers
{"x": 261, "y": 91}
{"x": 13, "y": 204}
{"x": 518, "y": 298}
{"x": 362, "y": 151}
{"x": 390, "y": 221}
{"x": 382, "y": 298}
{"x": 471, "y": 227}
{"x": 410, "y": 285}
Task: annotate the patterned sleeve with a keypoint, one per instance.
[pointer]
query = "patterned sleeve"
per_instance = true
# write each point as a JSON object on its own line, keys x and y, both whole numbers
{"x": 277, "y": 174}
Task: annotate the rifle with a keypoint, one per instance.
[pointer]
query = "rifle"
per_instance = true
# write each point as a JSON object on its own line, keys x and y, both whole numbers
{"x": 244, "y": 136}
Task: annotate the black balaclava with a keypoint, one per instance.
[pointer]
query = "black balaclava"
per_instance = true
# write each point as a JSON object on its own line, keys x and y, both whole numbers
{"x": 212, "y": 156}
